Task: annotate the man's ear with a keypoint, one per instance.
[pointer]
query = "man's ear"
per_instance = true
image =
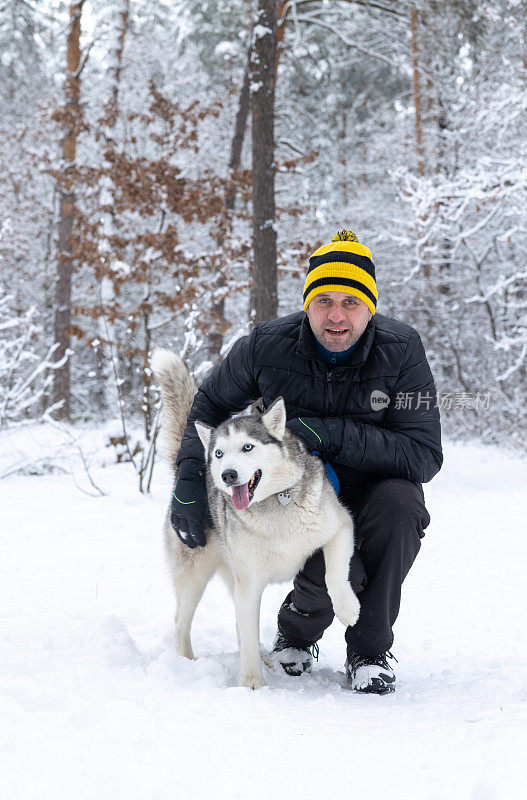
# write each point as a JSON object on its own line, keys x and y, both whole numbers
{"x": 274, "y": 418}
{"x": 204, "y": 432}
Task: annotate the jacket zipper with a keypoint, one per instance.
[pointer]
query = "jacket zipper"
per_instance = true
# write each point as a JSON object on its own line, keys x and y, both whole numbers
{"x": 329, "y": 383}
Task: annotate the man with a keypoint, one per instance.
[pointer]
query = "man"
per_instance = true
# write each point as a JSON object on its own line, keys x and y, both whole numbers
{"x": 358, "y": 391}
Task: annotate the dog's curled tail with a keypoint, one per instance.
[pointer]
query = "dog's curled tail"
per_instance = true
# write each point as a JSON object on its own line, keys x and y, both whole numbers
{"x": 177, "y": 392}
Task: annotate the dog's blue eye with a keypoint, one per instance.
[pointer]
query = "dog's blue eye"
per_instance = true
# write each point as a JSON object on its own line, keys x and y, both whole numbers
{"x": 218, "y": 453}
{"x": 248, "y": 447}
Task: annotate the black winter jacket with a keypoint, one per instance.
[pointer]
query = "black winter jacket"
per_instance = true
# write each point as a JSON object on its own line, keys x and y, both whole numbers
{"x": 399, "y": 440}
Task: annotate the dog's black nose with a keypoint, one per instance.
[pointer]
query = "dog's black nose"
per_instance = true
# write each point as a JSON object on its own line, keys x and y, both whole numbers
{"x": 230, "y": 476}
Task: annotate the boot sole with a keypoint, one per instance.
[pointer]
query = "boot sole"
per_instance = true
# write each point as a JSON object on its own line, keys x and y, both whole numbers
{"x": 375, "y": 690}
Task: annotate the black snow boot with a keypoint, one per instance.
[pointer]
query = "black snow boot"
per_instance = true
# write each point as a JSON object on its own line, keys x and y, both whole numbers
{"x": 370, "y": 674}
{"x": 293, "y": 659}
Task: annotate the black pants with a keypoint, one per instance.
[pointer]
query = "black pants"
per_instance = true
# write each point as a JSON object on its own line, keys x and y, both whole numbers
{"x": 390, "y": 519}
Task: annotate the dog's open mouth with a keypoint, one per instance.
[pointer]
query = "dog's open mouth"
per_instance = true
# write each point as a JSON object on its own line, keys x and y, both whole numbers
{"x": 243, "y": 493}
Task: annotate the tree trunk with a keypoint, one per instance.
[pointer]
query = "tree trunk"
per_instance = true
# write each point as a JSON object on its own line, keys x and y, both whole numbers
{"x": 72, "y": 116}
{"x": 117, "y": 55}
{"x": 264, "y": 303}
{"x": 215, "y": 337}
{"x": 342, "y": 118}
{"x": 108, "y": 352}
{"x": 417, "y": 95}
{"x": 244, "y": 104}
{"x": 432, "y": 126}
{"x": 280, "y": 31}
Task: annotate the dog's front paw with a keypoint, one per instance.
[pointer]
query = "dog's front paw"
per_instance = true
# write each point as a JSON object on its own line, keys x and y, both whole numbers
{"x": 347, "y": 609}
{"x": 252, "y": 681}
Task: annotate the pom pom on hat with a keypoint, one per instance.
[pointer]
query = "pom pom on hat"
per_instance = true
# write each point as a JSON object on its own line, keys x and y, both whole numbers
{"x": 345, "y": 235}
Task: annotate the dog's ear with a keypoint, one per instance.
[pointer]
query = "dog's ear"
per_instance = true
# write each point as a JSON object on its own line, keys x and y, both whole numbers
{"x": 274, "y": 418}
{"x": 204, "y": 432}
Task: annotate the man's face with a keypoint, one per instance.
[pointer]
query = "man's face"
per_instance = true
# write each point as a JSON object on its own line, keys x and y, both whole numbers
{"x": 337, "y": 319}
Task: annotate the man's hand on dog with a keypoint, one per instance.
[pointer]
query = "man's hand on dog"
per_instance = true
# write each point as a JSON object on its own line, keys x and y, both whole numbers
{"x": 314, "y": 433}
{"x": 190, "y": 509}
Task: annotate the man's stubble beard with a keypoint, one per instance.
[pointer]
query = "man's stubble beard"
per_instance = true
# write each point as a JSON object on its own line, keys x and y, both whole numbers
{"x": 339, "y": 345}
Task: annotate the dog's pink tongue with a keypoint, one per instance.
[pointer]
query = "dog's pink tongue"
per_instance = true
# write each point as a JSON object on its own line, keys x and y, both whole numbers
{"x": 240, "y": 496}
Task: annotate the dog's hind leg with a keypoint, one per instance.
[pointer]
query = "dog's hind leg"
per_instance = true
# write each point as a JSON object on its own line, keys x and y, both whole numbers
{"x": 189, "y": 586}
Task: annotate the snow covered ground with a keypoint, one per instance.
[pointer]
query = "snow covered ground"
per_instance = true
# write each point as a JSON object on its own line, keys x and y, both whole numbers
{"x": 94, "y": 703}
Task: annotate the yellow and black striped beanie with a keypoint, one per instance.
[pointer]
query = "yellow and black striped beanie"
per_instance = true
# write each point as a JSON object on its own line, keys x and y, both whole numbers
{"x": 342, "y": 266}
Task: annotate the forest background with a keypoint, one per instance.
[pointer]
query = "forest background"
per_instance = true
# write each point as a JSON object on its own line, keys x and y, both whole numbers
{"x": 166, "y": 169}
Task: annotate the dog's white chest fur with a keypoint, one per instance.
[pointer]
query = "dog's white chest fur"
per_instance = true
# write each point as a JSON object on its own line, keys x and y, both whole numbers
{"x": 274, "y": 541}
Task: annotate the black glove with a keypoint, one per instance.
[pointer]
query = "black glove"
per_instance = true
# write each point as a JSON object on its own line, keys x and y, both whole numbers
{"x": 324, "y": 436}
{"x": 190, "y": 508}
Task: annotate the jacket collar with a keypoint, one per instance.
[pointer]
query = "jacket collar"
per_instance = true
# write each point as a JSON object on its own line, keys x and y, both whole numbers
{"x": 306, "y": 344}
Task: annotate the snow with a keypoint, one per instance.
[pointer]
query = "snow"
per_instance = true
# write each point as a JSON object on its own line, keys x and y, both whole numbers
{"x": 226, "y": 49}
{"x": 94, "y": 701}
{"x": 259, "y": 31}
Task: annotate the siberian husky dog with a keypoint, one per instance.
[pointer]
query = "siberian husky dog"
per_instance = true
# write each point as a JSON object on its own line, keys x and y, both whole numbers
{"x": 272, "y": 507}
